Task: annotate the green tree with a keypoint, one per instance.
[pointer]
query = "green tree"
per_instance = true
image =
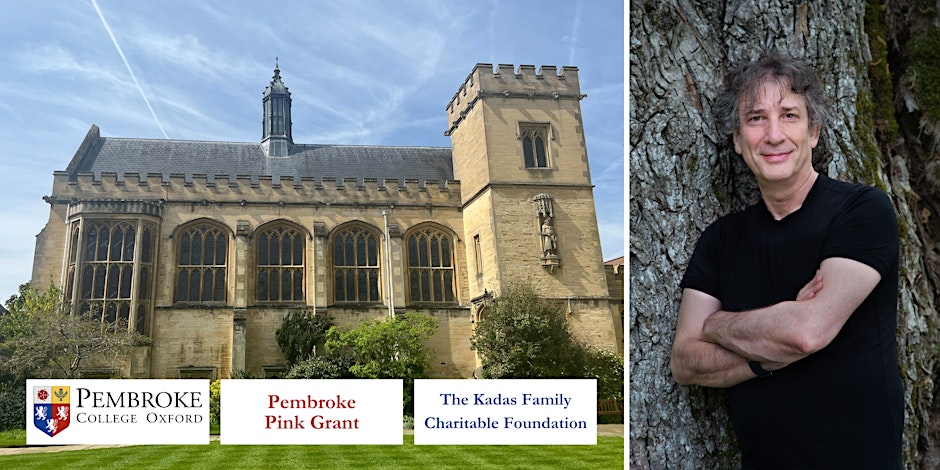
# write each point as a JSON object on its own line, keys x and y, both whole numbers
{"x": 394, "y": 348}
{"x": 40, "y": 338}
{"x": 525, "y": 336}
{"x": 299, "y": 334}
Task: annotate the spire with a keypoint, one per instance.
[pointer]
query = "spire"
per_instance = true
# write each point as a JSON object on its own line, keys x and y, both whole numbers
{"x": 276, "y": 126}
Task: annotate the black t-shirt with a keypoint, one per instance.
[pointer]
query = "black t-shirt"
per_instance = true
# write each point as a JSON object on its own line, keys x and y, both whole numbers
{"x": 842, "y": 407}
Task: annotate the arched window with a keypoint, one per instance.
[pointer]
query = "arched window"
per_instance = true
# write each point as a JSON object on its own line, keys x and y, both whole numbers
{"x": 430, "y": 266}
{"x": 534, "y": 141}
{"x": 356, "y": 265}
{"x": 280, "y": 258}
{"x": 201, "y": 270}
{"x": 109, "y": 270}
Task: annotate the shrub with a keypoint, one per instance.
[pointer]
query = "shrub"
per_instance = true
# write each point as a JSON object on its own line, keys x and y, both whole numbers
{"x": 214, "y": 402}
{"x": 12, "y": 405}
{"x": 391, "y": 348}
{"x": 322, "y": 367}
{"x": 299, "y": 334}
{"x": 524, "y": 336}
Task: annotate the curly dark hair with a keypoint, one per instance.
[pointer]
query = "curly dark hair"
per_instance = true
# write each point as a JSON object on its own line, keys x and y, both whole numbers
{"x": 743, "y": 82}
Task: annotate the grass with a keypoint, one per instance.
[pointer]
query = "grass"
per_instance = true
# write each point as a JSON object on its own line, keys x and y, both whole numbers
{"x": 14, "y": 438}
{"x": 608, "y": 453}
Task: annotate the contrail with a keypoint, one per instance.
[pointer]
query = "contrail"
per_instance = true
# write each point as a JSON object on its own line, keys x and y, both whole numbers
{"x": 128, "y": 65}
{"x": 575, "y": 29}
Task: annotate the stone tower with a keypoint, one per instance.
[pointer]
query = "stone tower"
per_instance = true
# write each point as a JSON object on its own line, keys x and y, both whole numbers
{"x": 276, "y": 139}
{"x": 519, "y": 152}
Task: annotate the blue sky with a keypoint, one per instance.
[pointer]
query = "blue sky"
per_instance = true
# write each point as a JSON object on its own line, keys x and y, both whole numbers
{"x": 360, "y": 72}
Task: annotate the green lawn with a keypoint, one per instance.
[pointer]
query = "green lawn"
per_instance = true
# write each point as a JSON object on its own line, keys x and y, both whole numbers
{"x": 608, "y": 453}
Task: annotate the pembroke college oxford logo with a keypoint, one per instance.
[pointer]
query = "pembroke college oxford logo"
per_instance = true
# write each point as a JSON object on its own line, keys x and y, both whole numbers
{"x": 51, "y": 411}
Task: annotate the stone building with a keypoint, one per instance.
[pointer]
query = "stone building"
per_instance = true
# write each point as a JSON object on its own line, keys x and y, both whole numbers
{"x": 206, "y": 246}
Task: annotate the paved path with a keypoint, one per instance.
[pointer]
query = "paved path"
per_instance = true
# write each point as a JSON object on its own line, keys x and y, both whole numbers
{"x": 602, "y": 430}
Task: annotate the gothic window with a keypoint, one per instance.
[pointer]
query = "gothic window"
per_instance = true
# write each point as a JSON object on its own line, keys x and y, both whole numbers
{"x": 534, "y": 145}
{"x": 280, "y": 264}
{"x": 201, "y": 271}
{"x": 110, "y": 265}
{"x": 430, "y": 266}
{"x": 356, "y": 265}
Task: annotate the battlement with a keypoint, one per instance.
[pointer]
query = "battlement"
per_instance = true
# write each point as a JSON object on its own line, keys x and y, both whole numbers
{"x": 244, "y": 190}
{"x": 508, "y": 82}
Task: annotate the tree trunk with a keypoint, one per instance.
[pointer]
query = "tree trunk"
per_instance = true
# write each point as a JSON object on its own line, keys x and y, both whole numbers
{"x": 878, "y": 67}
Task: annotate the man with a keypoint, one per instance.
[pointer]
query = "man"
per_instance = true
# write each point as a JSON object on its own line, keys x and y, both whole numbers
{"x": 792, "y": 303}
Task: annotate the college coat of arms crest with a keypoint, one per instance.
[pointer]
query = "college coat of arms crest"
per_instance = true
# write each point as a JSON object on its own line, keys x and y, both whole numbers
{"x": 51, "y": 412}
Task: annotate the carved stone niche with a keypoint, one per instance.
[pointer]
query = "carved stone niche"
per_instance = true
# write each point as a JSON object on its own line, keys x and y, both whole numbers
{"x": 548, "y": 236}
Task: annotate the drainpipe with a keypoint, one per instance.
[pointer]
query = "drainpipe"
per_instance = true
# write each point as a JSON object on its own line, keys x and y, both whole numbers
{"x": 388, "y": 271}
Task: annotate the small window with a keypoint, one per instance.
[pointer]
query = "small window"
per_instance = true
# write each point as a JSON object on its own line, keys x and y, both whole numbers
{"x": 477, "y": 255}
{"x": 534, "y": 145}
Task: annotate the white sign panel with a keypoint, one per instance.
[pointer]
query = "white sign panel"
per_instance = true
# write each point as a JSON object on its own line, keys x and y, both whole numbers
{"x": 356, "y": 411}
{"x": 117, "y": 412}
{"x": 537, "y": 411}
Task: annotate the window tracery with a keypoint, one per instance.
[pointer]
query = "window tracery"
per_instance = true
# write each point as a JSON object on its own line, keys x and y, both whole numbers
{"x": 280, "y": 264}
{"x": 430, "y": 266}
{"x": 356, "y": 266}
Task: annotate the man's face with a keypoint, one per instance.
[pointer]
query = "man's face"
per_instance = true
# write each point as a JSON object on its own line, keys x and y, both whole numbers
{"x": 775, "y": 139}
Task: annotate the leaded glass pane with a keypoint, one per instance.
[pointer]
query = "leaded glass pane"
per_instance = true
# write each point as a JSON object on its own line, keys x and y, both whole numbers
{"x": 540, "y": 152}
{"x": 197, "y": 249}
{"x": 435, "y": 252}
{"x": 130, "y": 238}
{"x": 412, "y": 251}
{"x": 339, "y": 289}
{"x": 101, "y": 275}
{"x": 445, "y": 252}
{"x": 182, "y": 286}
{"x": 373, "y": 250}
{"x": 298, "y": 251}
{"x": 104, "y": 237}
{"x": 91, "y": 242}
{"x": 143, "y": 288}
{"x": 220, "y": 245}
{"x": 350, "y": 284}
{"x": 210, "y": 250}
{"x": 527, "y": 151}
{"x": 423, "y": 251}
{"x": 117, "y": 244}
{"x": 145, "y": 243}
{"x": 219, "y": 291}
{"x": 374, "y": 285}
{"x": 127, "y": 275}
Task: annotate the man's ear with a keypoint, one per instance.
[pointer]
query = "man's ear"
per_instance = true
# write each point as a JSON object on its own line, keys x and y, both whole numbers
{"x": 814, "y": 135}
{"x": 736, "y": 136}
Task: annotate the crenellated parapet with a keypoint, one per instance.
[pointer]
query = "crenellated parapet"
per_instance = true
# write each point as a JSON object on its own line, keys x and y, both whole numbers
{"x": 253, "y": 190}
{"x": 508, "y": 82}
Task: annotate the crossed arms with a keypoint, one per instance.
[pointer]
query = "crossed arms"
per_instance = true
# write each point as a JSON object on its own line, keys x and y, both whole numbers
{"x": 712, "y": 347}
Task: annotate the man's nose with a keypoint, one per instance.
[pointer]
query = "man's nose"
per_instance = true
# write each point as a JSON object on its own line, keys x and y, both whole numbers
{"x": 774, "y": 131}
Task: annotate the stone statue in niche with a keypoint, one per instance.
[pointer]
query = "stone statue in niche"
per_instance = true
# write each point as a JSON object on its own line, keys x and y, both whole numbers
{"x": 549, "y": 240}
{"x": 548, "y": 235}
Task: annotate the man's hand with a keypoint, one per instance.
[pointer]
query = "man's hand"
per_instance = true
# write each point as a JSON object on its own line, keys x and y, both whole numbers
{"x": 811, "y": 288}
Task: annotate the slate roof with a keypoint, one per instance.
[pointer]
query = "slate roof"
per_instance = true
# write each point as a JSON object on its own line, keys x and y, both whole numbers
{"x": 169, "y": 157}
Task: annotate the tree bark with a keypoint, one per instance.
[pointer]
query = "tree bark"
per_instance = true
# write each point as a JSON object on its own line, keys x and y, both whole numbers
{"x": 684, "y": 175}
